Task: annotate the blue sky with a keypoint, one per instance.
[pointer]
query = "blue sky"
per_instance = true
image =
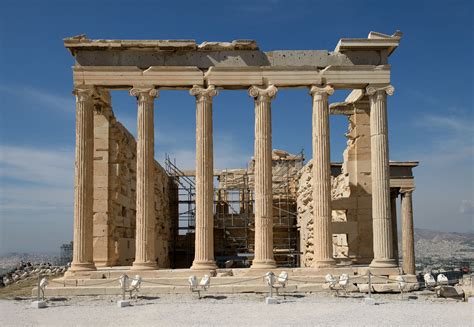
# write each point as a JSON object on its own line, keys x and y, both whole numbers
{"x": 430, "y": 114}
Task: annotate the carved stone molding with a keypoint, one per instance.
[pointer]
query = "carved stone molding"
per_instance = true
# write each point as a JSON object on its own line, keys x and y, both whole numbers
{"x": 407, "y": 191}
{"x": 203, "y": 94}
{"x": 263, "y": 94}
{"x": 321, "y": 91}
{"x": 144, "y": 93}
{"x": 83, "y": 93}
{"x": 373, "y": 89}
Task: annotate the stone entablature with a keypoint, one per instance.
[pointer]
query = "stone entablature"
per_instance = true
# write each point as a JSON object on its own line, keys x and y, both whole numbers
{"x": 239, "y": 53}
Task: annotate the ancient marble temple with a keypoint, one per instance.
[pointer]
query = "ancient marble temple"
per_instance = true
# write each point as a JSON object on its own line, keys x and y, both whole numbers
{"x": 123, "y": 204}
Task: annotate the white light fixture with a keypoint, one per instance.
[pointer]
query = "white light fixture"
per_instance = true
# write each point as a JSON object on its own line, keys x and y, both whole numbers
{"x": 429, "y": 280}
{"x": 205, "y": 282}
{"x": 442, "y": 279}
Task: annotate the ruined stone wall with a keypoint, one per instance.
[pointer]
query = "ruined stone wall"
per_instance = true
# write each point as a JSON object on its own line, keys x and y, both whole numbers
{"x": 115, "y": 195}
{"x": 340, "y": 190}
{"x": 351, "y": 198}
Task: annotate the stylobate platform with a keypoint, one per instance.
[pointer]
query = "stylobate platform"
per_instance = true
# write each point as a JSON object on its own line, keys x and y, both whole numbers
{"x": 105, "y": 281}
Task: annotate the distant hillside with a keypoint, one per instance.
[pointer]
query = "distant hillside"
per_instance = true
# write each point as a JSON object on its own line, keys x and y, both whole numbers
{"x": 432, "y": 235}
{"x": 443, "y": 245}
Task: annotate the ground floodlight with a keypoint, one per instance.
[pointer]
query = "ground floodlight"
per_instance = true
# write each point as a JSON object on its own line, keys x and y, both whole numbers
{"x": 205, "y": 282}
{"x": 429, "y": 280}
{"x": 123, "y": 281}
{"x": 192, "y": 280}
{"x": 269, "y": 277}
{"x": 401, "y": 282}
{"x": 136, "y": 282}
{"x": 44, "y": 283}
{"x": 344, "y": 280}
{"x": 42, "y": 286}
{"x": 283, "y": 278}
{"x": 442, "y": 279}
{"x": 331, "y": 280}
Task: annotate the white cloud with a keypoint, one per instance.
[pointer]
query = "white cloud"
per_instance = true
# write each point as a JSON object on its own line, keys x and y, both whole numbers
{"x": 41, "y": 98}
{"x": 37, "y": 179}
{"x": 36, "y": 198}
{"x": 452, "y": 142}
{"x": 445, "y": 175}
{"x": 458, "y": 124}
{"x": 40, "y": 166}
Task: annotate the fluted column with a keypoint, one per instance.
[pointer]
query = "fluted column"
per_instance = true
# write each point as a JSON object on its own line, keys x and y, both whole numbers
{"x": 145, "y": 219}
{"x": 322, "y": 214}
{"x": 408, "y": 238}
{"x": 263, "y": 176}
{"x": 381, "y": 212}
{"x": 393, "y": 207}
{"x": 204, "y": 231}
{"x": 83, "y": 181}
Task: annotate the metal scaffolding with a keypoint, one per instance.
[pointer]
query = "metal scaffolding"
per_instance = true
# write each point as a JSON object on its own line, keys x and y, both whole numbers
{"x": 234, "y": 216}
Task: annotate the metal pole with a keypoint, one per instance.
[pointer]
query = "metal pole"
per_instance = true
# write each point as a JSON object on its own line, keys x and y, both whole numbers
{"x": 370, "y": 285}
{"x": 39, "y": 289}
{"x": 271, "y": 284}
{"x": 124, "y": 286}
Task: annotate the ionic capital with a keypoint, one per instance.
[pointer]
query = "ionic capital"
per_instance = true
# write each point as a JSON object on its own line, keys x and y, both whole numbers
{"x": 380, "y": 89}
{"x": 321, "y": 91}
{"x": 203, "y": 93}
{"x": 263, "y": 94}
{"x": 83, "y": 93}
{"x": 144, "y": 94}
{"x": 407, "y": 191}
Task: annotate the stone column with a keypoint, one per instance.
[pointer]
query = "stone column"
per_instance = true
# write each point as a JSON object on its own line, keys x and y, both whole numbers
{"x": 381, "y": 212}
{"x": 408, "y": 238}
{"x": 393, "y": 207}
{"x": 263, "y": 177}
{"x": 83, "y": 181}
{"x": 145, "y": 220}
{"x": 204, "y": 231}
{"x": 322, "y": 213}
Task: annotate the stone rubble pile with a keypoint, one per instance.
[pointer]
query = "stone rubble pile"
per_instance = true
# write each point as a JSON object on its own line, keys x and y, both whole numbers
{"x": 25, "y": 270}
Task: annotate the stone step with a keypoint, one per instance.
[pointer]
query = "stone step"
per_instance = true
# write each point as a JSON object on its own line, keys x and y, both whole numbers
{"x": 107, "y": 273}
{"x": 215, "y": 289}
{"x": 216, "y": 281}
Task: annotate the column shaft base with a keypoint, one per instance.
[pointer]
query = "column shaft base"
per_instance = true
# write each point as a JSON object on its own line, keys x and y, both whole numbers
{"x": 324, "y": 263}
{"x": 83, "y": 266}
{"x": 263, "y": 264}
{"x": 383, "y": 263}
{"x": 204, "y": 265}
{"x": 144, "y": 266}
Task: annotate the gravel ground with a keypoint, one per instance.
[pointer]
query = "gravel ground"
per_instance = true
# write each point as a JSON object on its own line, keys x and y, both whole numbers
{"x": 239, "y": 310}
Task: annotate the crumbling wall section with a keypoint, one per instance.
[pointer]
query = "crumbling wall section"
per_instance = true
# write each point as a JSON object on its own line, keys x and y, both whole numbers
{"x": 340, "y": 190}
{"x": 351, "y": 197}
{"x": 115, "y": 195}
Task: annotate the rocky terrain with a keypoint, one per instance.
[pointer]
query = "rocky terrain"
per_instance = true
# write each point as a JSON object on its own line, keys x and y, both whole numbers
{"x": 19, "y": 272}
{"x": 11, "y": 260}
